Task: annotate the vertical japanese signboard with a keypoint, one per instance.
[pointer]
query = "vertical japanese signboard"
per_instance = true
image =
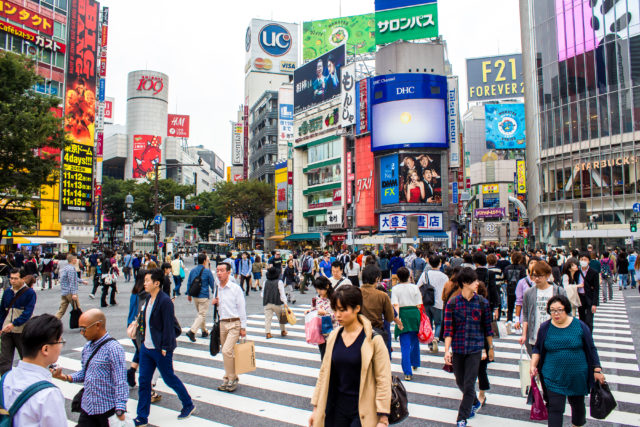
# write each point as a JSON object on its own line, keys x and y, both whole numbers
{"x": 348, "y": 95}
{"x": 365, "y": 189}
{"x": 452, "y": 118}
{"x": 80, "y": 103}
{"x": 285, "y": 116}
{"x": 521, "y": 174}
{"x": 362, "y": 106}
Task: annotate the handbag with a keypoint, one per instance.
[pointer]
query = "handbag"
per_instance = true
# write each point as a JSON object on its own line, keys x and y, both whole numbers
{"x": 425, "y": 334}
{"x": 313, "y": 328}
{"x": 495, "y": 329}
{"x": 399, "y": 403}
{"x": 525, "y": 377}
{"x": 76, "y": 403}
{"x": 182, "y": 274}
{"x": 214, "y": 335}
{"x": 244, "y": 354}
{"x": 538, "y": 409}
{"x": 601, "y": 401}
{"x": 74, "y": 316}
{"x": 291, "y": 318}
{"x": 132, "y": 329}
{"x": 326, "y": 325}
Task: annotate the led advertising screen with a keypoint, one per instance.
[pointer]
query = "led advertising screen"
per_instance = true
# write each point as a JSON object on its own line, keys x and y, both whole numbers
{"x": 146, "y": 154}
{"x": 318, "y": 81}
{"x": 495, "y": 77}
{"x": 365, "y": 188}
{"x": 408, "y": 111}
{"x": 505, "y": 126}
{"x": 420, "y": 179}
{"x": 389, "y": 180}
{"x": 358, "y": 32}
{"x": 77, "y": 177}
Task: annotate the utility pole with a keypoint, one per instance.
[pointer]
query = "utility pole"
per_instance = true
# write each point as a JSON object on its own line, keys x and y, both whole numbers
{"x": 156, "y": 226}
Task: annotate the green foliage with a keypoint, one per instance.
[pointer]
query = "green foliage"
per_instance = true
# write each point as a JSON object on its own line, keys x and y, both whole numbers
{"x": 27, "y": 127}
{"x": 250, "y": 201}
{"x": 210, "y": 217}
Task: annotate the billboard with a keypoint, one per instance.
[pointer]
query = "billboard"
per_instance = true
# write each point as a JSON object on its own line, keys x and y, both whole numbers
{"x": 365, "y": 188}
{"x": 398, "y": 221}
{"x": 281, "y": 180}
{"x": 271, "y": 47}
{"x": 420, "y": 179}
{"x": 489, "y": 213}
{"x": 319, "y": 80}
{"x": 23, "y": 16}
{"x": 389, "y": 180}
{"x": 38, "y": 40}
{"x": 505, "y": 126}
{"x": 348, "y": 96}
{"x": 408, "y": 111}
{"x": 108, "y": 110}
{"x": 218, "y": 166}
{"x": 319, "y": 37}
{"x": 146, "y": 154}
{"x": 322, "y": 123}
{"x": 452, "y": 121}
{"x": 362, "y": 106}
{"x": 237, "y": 144}
{"x": 490, "y": 188}
{"x": 177, "y": 126}
{"x": 394, "y": 4}
{"x": 77, "y": 177}
{"x": 407, "y": 23}
{"x": 285, "y": 115}
{"x": 495, "y": 77}
{"x": 521, "y": 176}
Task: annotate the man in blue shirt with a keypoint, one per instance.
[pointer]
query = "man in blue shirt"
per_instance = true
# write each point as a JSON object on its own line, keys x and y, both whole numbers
{"x": 632, "y": 262}
{"x": 202, "y": 301}
{"x": 325, "y": 266}
{"x": 127, "y": 262}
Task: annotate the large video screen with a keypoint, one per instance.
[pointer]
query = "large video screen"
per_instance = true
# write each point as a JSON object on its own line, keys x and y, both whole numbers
{"x": 318, "y": 81}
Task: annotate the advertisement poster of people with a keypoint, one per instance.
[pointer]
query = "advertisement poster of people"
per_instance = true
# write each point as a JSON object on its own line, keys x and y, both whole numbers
{"x": 420, "y": 179}
{"x": 318, "y": 80}
{"x": 505, "y": 126}
{"x": 146, "y": 154}
{"x": 358, "y": 31}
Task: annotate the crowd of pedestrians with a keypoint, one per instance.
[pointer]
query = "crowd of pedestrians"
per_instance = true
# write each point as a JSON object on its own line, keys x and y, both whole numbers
{"x": 549, "y": 298}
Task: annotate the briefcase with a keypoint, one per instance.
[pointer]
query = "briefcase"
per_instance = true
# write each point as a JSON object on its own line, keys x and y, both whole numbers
{"x": 245, "y": 355}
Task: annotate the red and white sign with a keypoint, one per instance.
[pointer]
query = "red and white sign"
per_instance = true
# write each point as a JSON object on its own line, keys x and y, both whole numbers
{"x": 365, "y": 185}
{"x": 16, "y": 13}
{"x": 151, "y": 84}
{"x": 108, "y": 110}
{"x": 337, "y": 195}
{"x": 36, "y": 39}
{"x": 350, "y": 177}
{"x": 178, "y": 126}
{"x": 99, "y": 143}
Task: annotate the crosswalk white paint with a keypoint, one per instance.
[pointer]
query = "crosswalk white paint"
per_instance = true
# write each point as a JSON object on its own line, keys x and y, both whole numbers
{"x": 278, "y": 392}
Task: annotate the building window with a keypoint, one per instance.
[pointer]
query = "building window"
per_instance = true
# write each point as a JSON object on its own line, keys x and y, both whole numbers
{"x": 327, "y": 150}
{"x": 325, "y": 175}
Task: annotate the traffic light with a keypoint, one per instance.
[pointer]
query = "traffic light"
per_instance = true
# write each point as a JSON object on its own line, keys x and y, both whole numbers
{"x": 193, "y": 207}
{"x": 9, "y": 232}
{"x": 633, "y": 226}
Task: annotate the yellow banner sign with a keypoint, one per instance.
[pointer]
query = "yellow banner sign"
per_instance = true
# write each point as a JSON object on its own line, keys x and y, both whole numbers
{"x": 490, "y": 188}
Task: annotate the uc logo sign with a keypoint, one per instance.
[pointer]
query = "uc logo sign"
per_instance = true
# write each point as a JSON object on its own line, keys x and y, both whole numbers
{"x": 275, "y": 40}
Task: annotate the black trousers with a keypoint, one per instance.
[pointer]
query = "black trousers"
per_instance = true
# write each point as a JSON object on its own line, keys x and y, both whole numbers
{"x": 511, "y": 305}
{"x": 245, "y": 280}
{"x": 584, "y": 313}
{"x": 483, "y": 377}
{"x": 556, "y": 407}
{"x": 98, "y": 420}
{"x": 105, "y": 291}
{"x": 9, "y": 343}
{"x": 465, "y": 369}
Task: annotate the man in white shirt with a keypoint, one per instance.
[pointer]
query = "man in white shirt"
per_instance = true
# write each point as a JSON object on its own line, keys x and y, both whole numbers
{"x": 337, "y": 278}
{"x": 233, "y": 323}
{"x": 42, "y": 343}
{"x": 437, "y": 279}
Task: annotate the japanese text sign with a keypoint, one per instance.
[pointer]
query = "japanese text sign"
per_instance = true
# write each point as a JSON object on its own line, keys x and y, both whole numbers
{"x": 348, "y": 96}
{"x": 36, "y": 39}
{"x": 490, "y": 188}
{"x": 146, "y": 154}
{"x": 489, "y": 213}
{"x": 35, "y": 21}
{"x": 398, "y": 221}
{"x": 408, "y": 23}
{"x": 77, "y": 178}
{"x": 521, "y": 176}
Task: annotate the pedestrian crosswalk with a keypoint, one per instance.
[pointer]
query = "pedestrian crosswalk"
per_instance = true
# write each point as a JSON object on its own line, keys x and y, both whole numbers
{"x": 279, "y": 391}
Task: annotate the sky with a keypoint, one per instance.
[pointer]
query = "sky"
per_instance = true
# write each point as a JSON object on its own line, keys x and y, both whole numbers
{"x": 200, "y": 45}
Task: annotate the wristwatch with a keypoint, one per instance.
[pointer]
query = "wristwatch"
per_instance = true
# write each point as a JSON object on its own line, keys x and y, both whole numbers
{"x": 119, "y": 412}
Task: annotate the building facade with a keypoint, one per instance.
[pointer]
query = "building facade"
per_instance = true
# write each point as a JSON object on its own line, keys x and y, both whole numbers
{"x": 582, "y": 80}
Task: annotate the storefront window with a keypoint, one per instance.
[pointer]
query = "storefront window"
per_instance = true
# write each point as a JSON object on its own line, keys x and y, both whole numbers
{"x": 324, "y": 175}
{"x": 324, "y": 199}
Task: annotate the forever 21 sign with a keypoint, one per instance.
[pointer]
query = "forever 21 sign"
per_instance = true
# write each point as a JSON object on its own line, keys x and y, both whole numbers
{"x": 151, "y": 83}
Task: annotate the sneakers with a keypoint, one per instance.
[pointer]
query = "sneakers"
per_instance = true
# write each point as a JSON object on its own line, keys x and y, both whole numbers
{"x": 92, "y": 296}
{"x": 140, "y": 422}
{"x": 186, "y": 412}
{"x": 131, "y": 377}
{"x": 205, "y": 334}
{"x": 462, "y": 423}
{"x": 191, "y": 335}
{"x": 232, "y": 386}
{"x": 475, "y": 408}
{"x": 223, "y": 386}
{"x": 434, "y": 346}
{"x": 408, "y": 377}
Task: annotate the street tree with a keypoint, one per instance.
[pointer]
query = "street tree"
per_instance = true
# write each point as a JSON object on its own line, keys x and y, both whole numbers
{"x": 144, "y": 200}
{"x": 114, "y": 193}
{"x": 250, "y": 201}
{"x": 209, "y": 217}
{"x": 31, "y": 137}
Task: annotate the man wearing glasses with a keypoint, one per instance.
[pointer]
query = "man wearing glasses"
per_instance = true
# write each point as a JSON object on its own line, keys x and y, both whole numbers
{"x": 42, "y": 342}
{"x": 105, "y": 384}
{"x": 16, "y": 308}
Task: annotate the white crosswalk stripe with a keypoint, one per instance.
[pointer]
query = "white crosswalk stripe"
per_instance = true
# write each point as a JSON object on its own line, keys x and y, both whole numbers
{"x": 279, "y": 391}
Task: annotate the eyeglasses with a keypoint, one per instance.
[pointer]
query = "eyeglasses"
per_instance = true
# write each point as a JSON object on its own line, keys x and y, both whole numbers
{"x": 83, "y": 329}
{"x": 63, "y": 342}
{"x": 556, "y": 311}
{"x": 537, "y": 276}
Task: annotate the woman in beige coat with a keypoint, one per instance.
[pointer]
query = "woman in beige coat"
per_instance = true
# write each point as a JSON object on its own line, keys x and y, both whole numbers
{"x": 360, "y": 392}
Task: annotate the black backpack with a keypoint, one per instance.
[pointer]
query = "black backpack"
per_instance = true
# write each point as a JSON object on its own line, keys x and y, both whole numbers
{"x": 428, "y": 292}
{"x": 196, "y": 285}
{"x": 512, "y": 277}
{"x": 306, "y": 268}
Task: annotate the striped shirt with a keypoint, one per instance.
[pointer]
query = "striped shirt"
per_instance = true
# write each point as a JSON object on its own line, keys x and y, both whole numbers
{"x": 69, "y": 280}
{"x": 105, "y": 384}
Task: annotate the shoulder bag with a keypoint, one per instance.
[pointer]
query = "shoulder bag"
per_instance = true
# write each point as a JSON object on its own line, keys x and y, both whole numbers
{"x": 214, "y": 334}
{"x": 428, "y": 292}
{"x": 76, "y": 403}
{"x": 196, "y": 285}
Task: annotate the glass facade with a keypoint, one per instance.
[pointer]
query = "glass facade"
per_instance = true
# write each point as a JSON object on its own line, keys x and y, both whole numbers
{"x": 587, "y": 63}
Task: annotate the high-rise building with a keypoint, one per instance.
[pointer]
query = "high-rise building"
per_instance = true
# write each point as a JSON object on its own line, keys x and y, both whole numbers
{"x": 582, "y": 86}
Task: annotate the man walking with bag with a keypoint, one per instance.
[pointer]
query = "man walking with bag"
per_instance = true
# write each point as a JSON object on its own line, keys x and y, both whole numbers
{"x": 307, "y": 271}
{"x": 16, "y": 308}
{"x": 233, "y": 323}
{"x": 198, "y": 285}
{"x": 68, "y": 286}
{"x": 103, "y": 373}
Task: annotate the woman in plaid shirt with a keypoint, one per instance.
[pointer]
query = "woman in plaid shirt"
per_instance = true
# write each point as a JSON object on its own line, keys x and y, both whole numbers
{"x": 467, "y": 321}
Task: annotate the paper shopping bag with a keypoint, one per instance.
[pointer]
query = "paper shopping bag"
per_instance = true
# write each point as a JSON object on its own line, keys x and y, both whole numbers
{"x": 245, "y": 355}
{"x": 525, "y": 375}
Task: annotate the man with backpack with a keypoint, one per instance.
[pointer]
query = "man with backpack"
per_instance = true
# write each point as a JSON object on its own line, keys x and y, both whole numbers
{"x": 200, "y": 281}
{"x": 513, "y": 273}
{"x": 307, "y": 271}
{"x": 607, "y": 269}
{"x": 27, "y": 392}
{"x": 431, "y": 285}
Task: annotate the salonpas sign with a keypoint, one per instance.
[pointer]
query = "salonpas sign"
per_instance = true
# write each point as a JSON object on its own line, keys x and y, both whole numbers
{"x": 407, "y": 23}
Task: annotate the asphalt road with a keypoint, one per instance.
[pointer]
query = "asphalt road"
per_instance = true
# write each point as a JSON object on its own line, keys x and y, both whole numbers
{"x": 278, "y": 392}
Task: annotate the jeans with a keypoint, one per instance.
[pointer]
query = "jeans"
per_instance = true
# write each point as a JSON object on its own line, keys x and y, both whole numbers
{"x": 177, "y": 282}
{"x": 435, "y": 314}
{"x": 556, "y": 407}
{"x": 149, "y": 360}
{"x": 410, "y": 348}
{"x": 624, "y": 278}
{"x": 127, "y": 273}
{"x": 9, "y": 343}
{"x": 46, "y": 277}
{"x": 97, "y": 420}
{"x": 465, "y": 369}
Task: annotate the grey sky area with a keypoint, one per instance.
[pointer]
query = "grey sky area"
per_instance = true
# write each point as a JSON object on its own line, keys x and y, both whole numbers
{"x": 200, "y": 45}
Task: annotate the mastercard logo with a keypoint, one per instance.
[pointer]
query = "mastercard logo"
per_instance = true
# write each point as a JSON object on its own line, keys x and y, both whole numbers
{"x": 263, "y": 64}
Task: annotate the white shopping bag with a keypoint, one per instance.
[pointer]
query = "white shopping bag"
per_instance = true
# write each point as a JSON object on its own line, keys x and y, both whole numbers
{"x": 114, "y": 421}
{"x": 525, "y": 375}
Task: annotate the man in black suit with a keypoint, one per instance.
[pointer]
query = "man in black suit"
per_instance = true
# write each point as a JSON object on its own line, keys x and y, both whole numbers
{"x": 489, "y": 279}
{"x": 589, "y": 295}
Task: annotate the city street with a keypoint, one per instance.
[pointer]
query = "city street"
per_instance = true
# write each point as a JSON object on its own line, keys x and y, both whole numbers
{"x": 278, "y": 392}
